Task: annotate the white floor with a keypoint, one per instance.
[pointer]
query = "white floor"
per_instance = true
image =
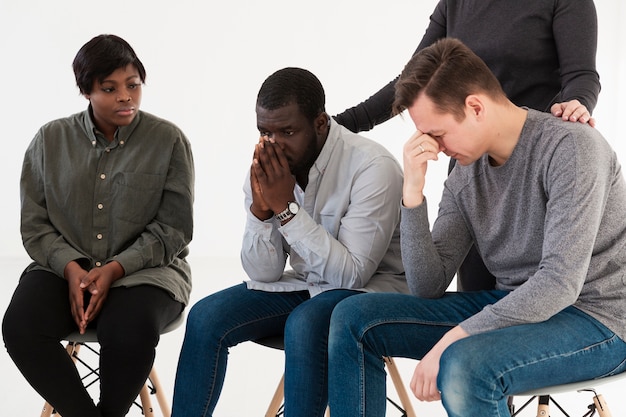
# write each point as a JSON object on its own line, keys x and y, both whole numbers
{"x": 253, "y": 370}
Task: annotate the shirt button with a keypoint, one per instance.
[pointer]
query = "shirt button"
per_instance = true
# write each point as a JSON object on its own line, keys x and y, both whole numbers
{"x": 98, "y": 263}
{"x": 102, "y": 176}
{"x": 99, "y": 236}
{"x": 100, "y": 206}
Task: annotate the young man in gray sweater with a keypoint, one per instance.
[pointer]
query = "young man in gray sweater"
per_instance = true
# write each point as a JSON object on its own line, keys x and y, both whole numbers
{"x": 544, "y": 202}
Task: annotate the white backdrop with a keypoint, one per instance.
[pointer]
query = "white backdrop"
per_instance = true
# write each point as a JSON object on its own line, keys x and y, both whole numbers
{"x": 205, "y": 62}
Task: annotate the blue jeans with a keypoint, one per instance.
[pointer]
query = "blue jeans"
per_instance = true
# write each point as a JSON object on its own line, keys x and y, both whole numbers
{"x": 477, "y": 373}
{"x": 236, "y": 315}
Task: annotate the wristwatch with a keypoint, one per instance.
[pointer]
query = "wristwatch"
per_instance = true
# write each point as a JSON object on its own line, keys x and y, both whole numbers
{"x": 291, "y": 210}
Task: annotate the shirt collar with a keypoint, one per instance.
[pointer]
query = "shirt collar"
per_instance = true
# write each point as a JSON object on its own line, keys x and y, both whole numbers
{"x": 122, "y": 134}
{"x": 324, "y": 157}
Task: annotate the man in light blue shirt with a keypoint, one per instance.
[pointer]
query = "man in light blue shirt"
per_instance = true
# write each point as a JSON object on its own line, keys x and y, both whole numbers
{"x": 328, "y": 201}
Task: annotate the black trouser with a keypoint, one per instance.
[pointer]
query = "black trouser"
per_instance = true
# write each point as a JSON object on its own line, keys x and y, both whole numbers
{"x": 128, "y": 329}
{"x": 473, "y": 274}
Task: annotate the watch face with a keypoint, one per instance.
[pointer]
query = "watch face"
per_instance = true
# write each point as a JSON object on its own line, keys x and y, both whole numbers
{"x": 293, "y": 207}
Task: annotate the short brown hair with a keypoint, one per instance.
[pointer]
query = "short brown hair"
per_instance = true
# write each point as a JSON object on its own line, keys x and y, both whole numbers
{"x": 447, "y": 72}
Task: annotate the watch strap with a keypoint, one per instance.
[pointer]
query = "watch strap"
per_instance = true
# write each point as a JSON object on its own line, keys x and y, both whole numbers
{"x": 286, "y": 214}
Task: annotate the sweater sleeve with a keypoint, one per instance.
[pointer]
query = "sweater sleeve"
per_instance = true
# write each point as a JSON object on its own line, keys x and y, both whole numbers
{"x": 377, "y": 108}
{"x": 431, "y": 259}
{"x": 371, "y": 112}
{"x": 575, "y": 27}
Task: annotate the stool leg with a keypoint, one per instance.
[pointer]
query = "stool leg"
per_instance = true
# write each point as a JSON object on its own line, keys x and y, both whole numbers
{"x": 601, "y": 407}
{"x": 160, "y": 394}
{"x": 146, "y": 404}
{"x": 543, "y": 406}
{"x": 47, "y": 410}
{"x": 277, "y": 399}
{"x": 399, "y": 385}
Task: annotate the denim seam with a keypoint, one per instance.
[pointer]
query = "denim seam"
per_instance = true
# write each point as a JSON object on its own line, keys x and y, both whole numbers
{"x": 374, "y": 323}
{"x": 602, "y": 342}
{"x": 361, "y": 380}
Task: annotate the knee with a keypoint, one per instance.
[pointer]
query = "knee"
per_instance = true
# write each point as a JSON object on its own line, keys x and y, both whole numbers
{"x": 454, "y": 380}
{"x": 469, "y": 376}
{"x": 344, "y": 325}
{"x": 307, "y": 328}
{"x": 207, "y": 319}
{"x": 198, "y": 316}
{"x": 310, "y": 319}
{"x": 451, "y": 368}
{"x": 209, "y": 322}
{"x": 462, "y": 373}
{"x": 16, "y": 334}
{"x": 297, "y": 328}
{"x": 10, "y": 330}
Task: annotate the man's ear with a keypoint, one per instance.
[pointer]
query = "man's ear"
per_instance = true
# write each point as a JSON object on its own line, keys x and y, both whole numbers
{"x": 475, "y": 105}
{"x": 322, "y": 122}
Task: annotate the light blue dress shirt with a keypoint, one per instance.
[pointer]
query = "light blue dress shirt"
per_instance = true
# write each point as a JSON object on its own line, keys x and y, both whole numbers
{"x": 346, "y": 234}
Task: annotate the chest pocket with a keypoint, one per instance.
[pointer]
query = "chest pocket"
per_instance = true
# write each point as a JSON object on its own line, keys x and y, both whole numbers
{"x": 136, "y": 196}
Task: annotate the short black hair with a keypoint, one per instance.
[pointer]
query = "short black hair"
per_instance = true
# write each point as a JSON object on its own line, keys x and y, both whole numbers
{"x": 293, "y": 85}
{"x": 99, "y": 57}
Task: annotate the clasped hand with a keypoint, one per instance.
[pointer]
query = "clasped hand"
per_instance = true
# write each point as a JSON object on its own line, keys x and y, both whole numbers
{"x": 271, "y": 179}
{"x": 96, "y": 282}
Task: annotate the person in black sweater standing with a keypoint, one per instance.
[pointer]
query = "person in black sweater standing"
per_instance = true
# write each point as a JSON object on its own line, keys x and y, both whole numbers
{"x": 542, "y": 52}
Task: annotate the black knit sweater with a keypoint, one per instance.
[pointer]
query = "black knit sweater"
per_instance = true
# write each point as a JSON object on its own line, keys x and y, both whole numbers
{"x": 542, "y": 52}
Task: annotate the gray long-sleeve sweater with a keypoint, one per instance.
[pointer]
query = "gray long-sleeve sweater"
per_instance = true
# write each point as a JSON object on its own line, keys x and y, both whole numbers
{"x": 550, "y": 224}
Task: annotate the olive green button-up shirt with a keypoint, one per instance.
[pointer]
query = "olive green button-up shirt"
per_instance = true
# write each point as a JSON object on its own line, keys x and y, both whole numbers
{"x": 130, "y": 200}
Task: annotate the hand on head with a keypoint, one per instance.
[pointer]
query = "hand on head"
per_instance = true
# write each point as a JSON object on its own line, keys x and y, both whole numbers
{"x": 418, "y": 150}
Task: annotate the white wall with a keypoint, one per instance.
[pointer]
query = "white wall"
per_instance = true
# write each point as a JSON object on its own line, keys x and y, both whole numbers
{"x": 204, "y": 70}
{"x": 205, "y": 62}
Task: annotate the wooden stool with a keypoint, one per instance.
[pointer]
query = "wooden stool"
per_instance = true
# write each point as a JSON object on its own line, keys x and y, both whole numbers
{"x": 76, "y": 341}
{"x": 276, "y": 404}
{"x": 544, "y": 397}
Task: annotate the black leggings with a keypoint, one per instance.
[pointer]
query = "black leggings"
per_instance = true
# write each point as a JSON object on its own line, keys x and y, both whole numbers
{"x": 128, "y": 328}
